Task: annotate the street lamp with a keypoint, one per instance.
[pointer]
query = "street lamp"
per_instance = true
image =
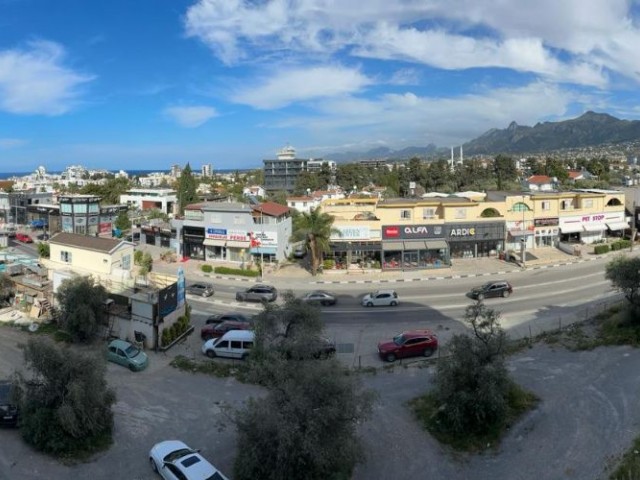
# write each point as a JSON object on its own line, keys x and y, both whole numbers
{"x": 524, "y": 232}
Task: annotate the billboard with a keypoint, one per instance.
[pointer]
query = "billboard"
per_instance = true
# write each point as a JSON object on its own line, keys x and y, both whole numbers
{"x": 168, "y": 299}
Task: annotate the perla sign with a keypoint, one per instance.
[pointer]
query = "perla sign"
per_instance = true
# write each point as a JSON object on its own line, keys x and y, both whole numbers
{"x": 462, "y": 232}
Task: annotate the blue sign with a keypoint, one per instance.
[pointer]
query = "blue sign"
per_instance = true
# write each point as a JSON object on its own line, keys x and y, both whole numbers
{"x": 181, "y": 287}
{"x": 219, "y": 233}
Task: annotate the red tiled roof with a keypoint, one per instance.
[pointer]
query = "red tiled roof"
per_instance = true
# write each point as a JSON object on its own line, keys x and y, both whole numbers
{"x": 271, "y": 208}
{"x": 539, "y": 179}
{"x": 575, "y": 173}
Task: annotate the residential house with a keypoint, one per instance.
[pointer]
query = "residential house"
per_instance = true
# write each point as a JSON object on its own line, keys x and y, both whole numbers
{"x": 540, "y": 183}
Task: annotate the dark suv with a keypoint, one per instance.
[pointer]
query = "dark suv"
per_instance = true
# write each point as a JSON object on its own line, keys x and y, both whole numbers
{"x": 258, "y": 293}
{"x": 499, "y": 288}
{"x": 8, "y": 411}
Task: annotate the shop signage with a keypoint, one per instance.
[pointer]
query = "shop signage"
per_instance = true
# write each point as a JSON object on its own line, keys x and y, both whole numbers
{"x": 216, "y": 233}
{"x": 481, "y": 231}
{"x": 105, "y": 227}
{"x": 352, "y": 233}
{"x": 193, "y": 215}
{"x": 546, "y": 222}
{"x": 264, "y": 239}
{"x": 462, "y": 232}
{"x": 238, "y": 235}
{"x": 412, "y": 231}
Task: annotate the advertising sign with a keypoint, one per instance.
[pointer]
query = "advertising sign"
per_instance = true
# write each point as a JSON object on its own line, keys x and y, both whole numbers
{"x": 412, "y": 231}
{"x": 105, "y": 227}
{"x": 216, "y": 233}
{"x": 352, "y": 233}
{"x": 237, "y": 235}
{"x": 168, "y": 299}
{"x": 264, "y": 239}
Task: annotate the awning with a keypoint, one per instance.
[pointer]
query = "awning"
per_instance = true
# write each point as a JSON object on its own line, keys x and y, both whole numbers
{"x": 617, "y": 225}
{"x": 594, "y": 227}
{"x": 389, "y": 246}
{"x": 210, "y": 242}
{"x": 237, "y": 244}
{"x": 572, "y": 228}
{"x": 520, "y": 233}
{"x": 437, "y": 245}
{"x": 414, "y": 245}
{"x": 264, "y": 250}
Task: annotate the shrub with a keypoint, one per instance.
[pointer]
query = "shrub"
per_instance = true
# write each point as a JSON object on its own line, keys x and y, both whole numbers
{"x": 137, "y": 257}
{"x": 600, "y": 249}
{"x": 328, "y": 263}
{"x": 236, "y": 271}
{"x": 166, "y": 337}
{"x": 207, "y": 268}
{"x": 620, "y": 244}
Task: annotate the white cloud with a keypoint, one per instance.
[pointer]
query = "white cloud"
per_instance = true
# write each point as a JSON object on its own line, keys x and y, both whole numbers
{"x": 284, "y": 87}
{"x": 7, "y": 143}
{"x": 34, "y": 81}
{"x": 191, "y": 117}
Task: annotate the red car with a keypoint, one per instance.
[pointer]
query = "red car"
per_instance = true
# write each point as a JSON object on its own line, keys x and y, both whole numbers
{"x": 24, "y": 238}
{"x": 217, "y": 330}
{"x": 412, "y": 343}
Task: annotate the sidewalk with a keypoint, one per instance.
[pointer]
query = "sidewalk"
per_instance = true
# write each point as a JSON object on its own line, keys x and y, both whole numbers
{"x": 294, "y": 275}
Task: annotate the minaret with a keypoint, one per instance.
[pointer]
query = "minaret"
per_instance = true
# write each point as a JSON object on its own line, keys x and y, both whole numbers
{"x": 452, "y": 160}
{"x": 461, "y": 156}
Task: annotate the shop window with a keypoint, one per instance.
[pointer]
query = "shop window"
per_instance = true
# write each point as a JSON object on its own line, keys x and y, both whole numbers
{"x": 65, "y": 257}
{"x": 546, "y": 205}
{"x": 405, "y": 214}
{"x": 428, "y": 213}
{"x": 460, "y": 213}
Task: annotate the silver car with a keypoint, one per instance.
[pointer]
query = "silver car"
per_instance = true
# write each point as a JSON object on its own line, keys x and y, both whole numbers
{"x": 381, "y": 298}
{"x": 258, "y": 293}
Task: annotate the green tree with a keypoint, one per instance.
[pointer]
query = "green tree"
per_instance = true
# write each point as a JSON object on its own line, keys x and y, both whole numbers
{"x": 314, "y": 228}
{"x": 65, "y": 403}
{"x": 504, "y": 169}
{"x": 624, "y": 273}
{"x": 7, "y": 290}
{"x": 307, "y": 181}
{"x": 44, "y": 250}
{"x": 110, "y": 191}
{"x": 123, "y": 222}
{"x": 81, "y": 303}
{"x": 186, "y": 189}
{"x": 279, "y": 197}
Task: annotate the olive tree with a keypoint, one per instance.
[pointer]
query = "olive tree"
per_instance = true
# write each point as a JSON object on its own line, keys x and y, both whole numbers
{"x": 81, "y": 303}
{"x": 624, "y": 273}
{"x": 65, "y": 403}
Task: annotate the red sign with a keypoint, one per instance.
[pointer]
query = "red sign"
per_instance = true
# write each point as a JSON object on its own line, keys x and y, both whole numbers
{"x": 391, "y": 232}
{"x": 105, "y": 227}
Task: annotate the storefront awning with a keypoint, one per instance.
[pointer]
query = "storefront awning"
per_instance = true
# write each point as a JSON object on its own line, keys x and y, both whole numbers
{"x": 414, "y": 245}
{"x": 389, "y": 246}
{"x": 264, "y": 251}
{"x": 617, "y": 225}
{"x": 520, "y": 233}
{"x": 572, "y": 228}
{"x": 237, "y": 244}
{"x": 437, "y": 245}
{"x": 209, "y": 242}
{"x": 594, "y": 227}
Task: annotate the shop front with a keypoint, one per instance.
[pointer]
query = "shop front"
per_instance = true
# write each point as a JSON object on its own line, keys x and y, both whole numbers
{"x": 193, "y": 242}
{"x": 356, "y": 246}
{"x": 264, "y": 246}
{"x": 616, "y": 223}
{"x": 410, "y": 247}
{"x": 474, "y": 240}
{"x": 583, "y": 228}
{"x": 519, "y": 232}
{"x": 546, "y": 231}
{"x": 222, "y": 244}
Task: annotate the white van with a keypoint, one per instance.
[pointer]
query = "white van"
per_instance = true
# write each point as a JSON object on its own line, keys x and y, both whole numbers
{"x": 233, "y": 344}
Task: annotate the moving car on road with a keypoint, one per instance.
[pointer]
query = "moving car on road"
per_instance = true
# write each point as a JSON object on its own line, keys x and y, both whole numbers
{"x": 381, "y": 298}
{"x": 499, "y": 288}
{"x": 125, "y": 354}
{"x": 174, "y": 460}
{"x": 24, "y": 238}
{"x": 319, "y": 297}
{"x": 412, "y": 343}
{"x": 258, "y": 293}
{"x": 8, "y": 411}
{"x": 202, "y": 289}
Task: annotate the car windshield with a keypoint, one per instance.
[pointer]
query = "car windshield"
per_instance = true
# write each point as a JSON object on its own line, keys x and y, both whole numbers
{"x": 487, "y": 286}
{"x": 132, "y": 351}
{"x": 398, "y": 339}
{"x": 173, "y": 456}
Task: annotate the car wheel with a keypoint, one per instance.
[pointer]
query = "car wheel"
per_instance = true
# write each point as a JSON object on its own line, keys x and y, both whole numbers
{"x": 211, "y": 354}
{"x": 394, "y": 303}
{"x": 505, "y": 294}
{"x": 324, "y": 303}
{"x": 154, "y": 467}
{"x": 369, "y": 304}
{"x": 390, "y": 357}
{"x": 428, "y": 352}
{"x": 132, "y": 367}
{"x": 480, "y": 296}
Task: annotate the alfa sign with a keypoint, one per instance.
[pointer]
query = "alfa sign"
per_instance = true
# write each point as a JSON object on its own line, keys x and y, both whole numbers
{"x": 412, "y": 231}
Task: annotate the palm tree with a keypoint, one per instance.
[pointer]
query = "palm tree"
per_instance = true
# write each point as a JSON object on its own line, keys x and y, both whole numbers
{"x": 314, "y": 228}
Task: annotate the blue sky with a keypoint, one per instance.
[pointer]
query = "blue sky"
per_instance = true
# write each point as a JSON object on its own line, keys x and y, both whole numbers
{"x": 143, "y": 84}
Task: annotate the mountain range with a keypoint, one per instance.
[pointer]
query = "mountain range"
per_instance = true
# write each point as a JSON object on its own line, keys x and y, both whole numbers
{"x": 589, "y": 129}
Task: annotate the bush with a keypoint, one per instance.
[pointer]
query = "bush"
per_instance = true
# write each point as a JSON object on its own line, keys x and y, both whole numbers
{"x": 166, "y": 337}
{"x": 328, "y": 264}
{"x": 137, "y": 257}
{"x": 600, "y": 249}
{"x": 236, "y": 271}
{"x": 207, "y": 268}
{"x": 620, "y": 244}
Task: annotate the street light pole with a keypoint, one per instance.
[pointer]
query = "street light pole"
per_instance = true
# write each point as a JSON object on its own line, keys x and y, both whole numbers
{"x": 524, "y": 238}
{"x": 261, "y": 247}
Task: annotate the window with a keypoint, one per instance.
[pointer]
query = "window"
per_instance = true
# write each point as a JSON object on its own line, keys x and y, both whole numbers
{"x": 126, "y": 262}
{"x": 546, "y": 205}
{"x": 238, "y": 220}
{"x": 65, "y": 257}
{"x": 66, "y": 208}
{"x": 566, "y": 205}
{"x": 405, "y": 214}
{"x": 428, "y": 213}
{"x": 587, "y": 203}
{"x": 94, "y": 208}
{"x": 460, "y": 213}
{"x": 236, "y": 344}
{"x": 224, "y": 344}
{"x": 80, "y": 208}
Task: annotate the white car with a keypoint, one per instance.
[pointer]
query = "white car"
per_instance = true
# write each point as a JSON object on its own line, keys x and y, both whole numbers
{"x": 173, "y": 460}
{"x": 384, "y": 298}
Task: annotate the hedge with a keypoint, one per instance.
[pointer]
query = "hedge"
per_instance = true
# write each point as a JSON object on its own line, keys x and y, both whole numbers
{"x": 600, "y": 249}
{"x": 620, "y": 244}
{"x": 207, "y": 268}
{"x": 236, "y": 271}
{"x": 175, "y": 330}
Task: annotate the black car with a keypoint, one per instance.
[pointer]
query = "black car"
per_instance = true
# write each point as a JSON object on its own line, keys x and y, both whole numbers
{"x": 258, "y": 293}
{"x": 499, "y": 288}
{"x": 8, "y": 411}
{"x": 202, "y": 289}
{"x": 317, "y": 349}
{"x": 231, "y": 316}
{"x": 319, "y": 297}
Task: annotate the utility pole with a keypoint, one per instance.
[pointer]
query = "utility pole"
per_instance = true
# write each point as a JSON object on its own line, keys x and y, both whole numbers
{"x": 633, "y": 226}
{"x": 523, "y": 240}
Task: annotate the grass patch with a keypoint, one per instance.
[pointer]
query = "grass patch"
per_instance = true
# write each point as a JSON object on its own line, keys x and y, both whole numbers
{"x": 209, "y": 367}
{"x": 425, "y": 408}
{"x": 629, "y": 467}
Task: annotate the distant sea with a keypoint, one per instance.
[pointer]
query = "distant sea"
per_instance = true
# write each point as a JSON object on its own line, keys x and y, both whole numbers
{"x": 132, "y": 173}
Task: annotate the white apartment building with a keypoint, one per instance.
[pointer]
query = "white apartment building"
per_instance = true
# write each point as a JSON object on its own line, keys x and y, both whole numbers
{"x": 163, "y": 199}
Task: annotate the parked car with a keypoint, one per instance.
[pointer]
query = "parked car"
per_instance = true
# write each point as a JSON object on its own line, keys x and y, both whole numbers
{"x": 222, "y": 317}
{"x": 127, "y": 355}
{"x": 499, "y": 288}
{"x": 319, "y": 297}
{"x": 202, "y": 289}
{"x": 320, "y": 348}
{"x": 258, "y": 293}
{"x": 174, "y": 460}
{"x": 233, "y": 344}
{"x": 384, "y": 298}
{"x": 409, "y": 344}
{"x": 8, "y": 411}
{"x": 24, "y": 238}
{"x": 43, "y": 236}
{"x": 219, "y": 329}
{"x": 300, "y": 251}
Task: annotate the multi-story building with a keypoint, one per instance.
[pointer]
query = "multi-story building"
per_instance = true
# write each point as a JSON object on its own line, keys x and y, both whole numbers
{"x": 206, "y": 170}
{"x": 14, "y": 205}
{"x": 281, "y": 174}
{"x": 234, "y": 232}
{"x": 163, "y": 199}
